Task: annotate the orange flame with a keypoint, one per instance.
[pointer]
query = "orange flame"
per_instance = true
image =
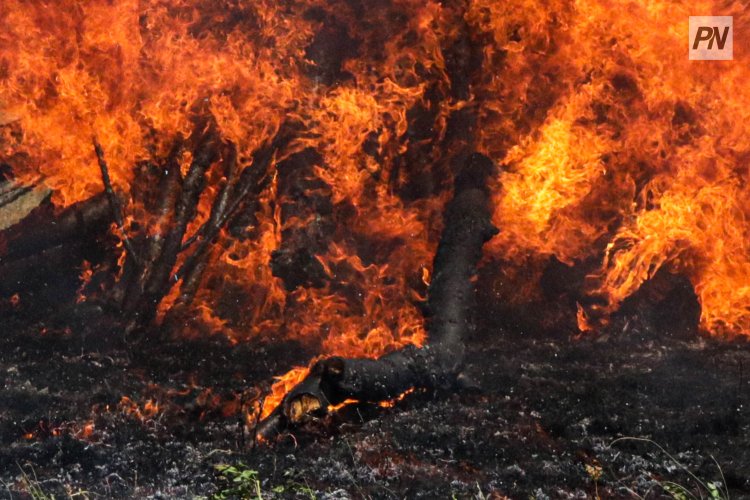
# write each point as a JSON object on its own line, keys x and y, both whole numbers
{"x": 614, "y": 147}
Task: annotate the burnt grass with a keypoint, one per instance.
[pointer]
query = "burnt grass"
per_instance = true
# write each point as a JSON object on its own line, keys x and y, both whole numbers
{"x": 541, "y": 426}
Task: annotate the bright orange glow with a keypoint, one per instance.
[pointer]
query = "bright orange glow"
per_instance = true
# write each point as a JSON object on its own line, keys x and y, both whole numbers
{"x": 86, "y": 274}
{"x": 279, "y": 389}
{"x": 346, "y": 402}
{"x": 147, "y": 411}
{"x": 632, "y": 154}
{"x": 136, "y": 74}
{"x": 392, "y": 402}
{"x": 86, "y": 431}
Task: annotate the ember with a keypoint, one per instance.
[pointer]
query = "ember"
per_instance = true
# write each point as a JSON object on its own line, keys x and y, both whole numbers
{"x": 231, "y": 228}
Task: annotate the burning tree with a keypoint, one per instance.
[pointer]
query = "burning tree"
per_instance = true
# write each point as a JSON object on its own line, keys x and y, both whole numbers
{"x": 266, "y": 168}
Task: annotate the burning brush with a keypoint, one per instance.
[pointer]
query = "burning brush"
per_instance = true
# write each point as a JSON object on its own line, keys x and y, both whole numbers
{"x": 267, "y": 169}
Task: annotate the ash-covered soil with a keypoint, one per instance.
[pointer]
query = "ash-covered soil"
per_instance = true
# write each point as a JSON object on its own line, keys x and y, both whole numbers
{"x": 542, "y": 426}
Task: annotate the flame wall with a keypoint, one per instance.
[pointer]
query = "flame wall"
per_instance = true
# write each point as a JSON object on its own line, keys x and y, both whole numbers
{"x": 613, "y": 145}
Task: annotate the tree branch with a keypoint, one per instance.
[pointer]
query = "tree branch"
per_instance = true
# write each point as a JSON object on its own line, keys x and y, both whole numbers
{"x": 114, "y": 201}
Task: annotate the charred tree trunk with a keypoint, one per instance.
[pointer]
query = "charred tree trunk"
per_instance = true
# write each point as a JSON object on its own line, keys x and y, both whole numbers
{"x": 239, "y": 188}
{"x": 134, "y": 276}
{"x": 451, "y": 299}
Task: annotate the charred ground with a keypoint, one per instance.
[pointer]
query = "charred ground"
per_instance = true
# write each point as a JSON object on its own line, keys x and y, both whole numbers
{"x": 541, "y": 426}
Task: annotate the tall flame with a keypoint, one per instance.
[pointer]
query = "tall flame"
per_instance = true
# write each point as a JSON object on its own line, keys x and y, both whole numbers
{"x": 613, "y": 146}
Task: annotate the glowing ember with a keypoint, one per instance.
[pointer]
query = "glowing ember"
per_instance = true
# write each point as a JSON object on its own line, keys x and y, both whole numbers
{"x": 147, "y": 411}
{"x": 86, "y": 274}
{"x": 279, "y": 389}
{"x": 391, "y": 403}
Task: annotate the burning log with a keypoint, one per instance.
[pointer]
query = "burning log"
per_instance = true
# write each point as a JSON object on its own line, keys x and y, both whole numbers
{"x": 146, "y": 285}
{"x": 450, "y": 301}
{"x": 143, "y": 308}
{"x": 250, "y": 182}
{"x": 114, "y": 200}
{"x": 192, "y": 270}
{"x": 134, "y": 276}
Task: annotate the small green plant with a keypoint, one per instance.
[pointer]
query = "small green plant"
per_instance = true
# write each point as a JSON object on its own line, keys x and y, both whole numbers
{"x": 680, "y": 492}
{"x": 31, "y": 485}
{"x": 595, "y": 473}
{"x": 295, "y": 488}
{"x": 243, "y": 483}
{"x": 238, "y": 481}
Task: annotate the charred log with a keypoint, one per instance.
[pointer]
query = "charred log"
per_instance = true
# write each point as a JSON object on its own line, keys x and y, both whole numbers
{"x": 40, "y": 257}
{"x": 237, "y": 189}
{"x": 173, "y": 206}
{"x": 329, "y": 49}
{"x": 424, "y": 169}
{"x": 192, "y": 270}
{"x": 451, "y": 299}
{"x": 33, "y": 271}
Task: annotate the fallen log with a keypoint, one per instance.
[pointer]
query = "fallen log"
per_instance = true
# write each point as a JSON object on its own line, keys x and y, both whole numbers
{"x": 42, "y": 231}
{"x": 10, "y": 192}
{"x": 18, "y": 201}
{"x": 34, "y": 272}
{"x": 451, "y": 298}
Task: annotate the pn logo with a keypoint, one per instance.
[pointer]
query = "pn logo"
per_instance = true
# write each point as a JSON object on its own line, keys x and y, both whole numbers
{"x": 710, "y": 38}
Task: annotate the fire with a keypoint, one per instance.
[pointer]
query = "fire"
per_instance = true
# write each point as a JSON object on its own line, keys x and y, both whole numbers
{"x": 613, "y": 147}
{"x": 391, "y": 403}
{"x": 639, "y": 159}
{"x": 45, "y": 429}
{"x": 279, "y": 389}
{"x": 147, "y": 411}
{"x": 546, "y": 184}
{"x": 87, "y": 272}
{"x": 86, "y": 431}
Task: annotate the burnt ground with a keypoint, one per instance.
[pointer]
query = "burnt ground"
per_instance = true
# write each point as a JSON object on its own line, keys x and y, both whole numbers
{"x": 541, "y": 427}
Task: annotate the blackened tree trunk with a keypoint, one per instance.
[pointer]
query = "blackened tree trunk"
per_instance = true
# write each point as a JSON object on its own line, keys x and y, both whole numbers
{"x": 451, "y": 300}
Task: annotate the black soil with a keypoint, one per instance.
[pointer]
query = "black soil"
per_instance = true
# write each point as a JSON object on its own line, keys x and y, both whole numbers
{"x": 541, "y": 426}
